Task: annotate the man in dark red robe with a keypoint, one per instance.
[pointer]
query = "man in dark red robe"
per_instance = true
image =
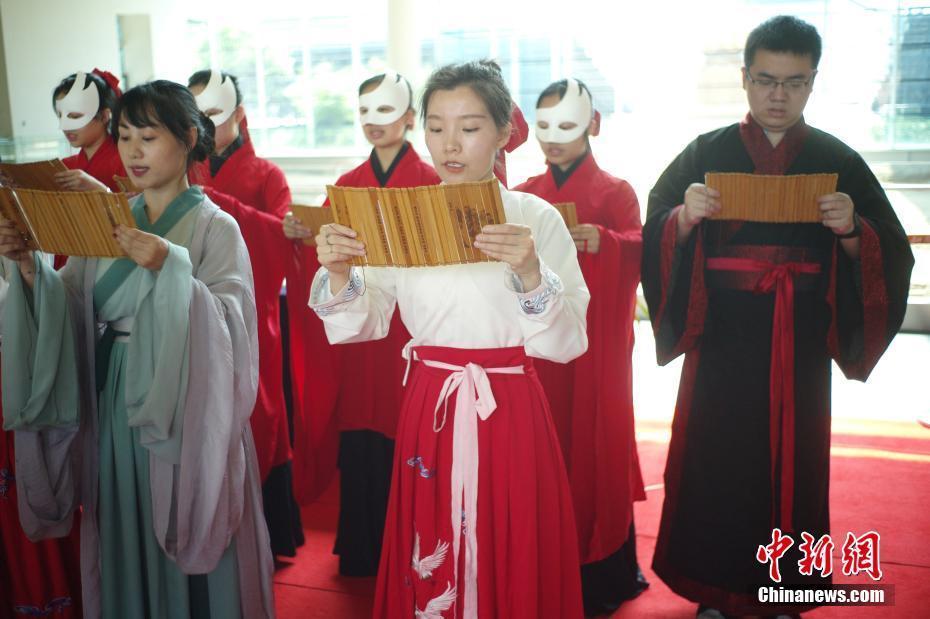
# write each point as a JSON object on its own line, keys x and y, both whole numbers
{"x": 760, "y": 310}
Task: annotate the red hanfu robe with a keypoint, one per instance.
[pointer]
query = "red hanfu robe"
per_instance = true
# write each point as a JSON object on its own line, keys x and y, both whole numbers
{"x": 314, "y": 379}
{"x": 591, "y": 398}
{"x": 255, "y": 192}
{"x": 103, "y": 166}
{"x": 750, "y": 446}
{"x": 331, "y": 400}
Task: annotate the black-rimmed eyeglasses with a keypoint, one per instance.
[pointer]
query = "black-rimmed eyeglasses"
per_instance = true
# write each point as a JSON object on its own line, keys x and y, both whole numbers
{"x": 791, "y": 86}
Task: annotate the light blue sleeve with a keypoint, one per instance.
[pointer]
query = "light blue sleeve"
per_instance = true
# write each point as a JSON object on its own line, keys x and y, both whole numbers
{"x": 40, "y": 375}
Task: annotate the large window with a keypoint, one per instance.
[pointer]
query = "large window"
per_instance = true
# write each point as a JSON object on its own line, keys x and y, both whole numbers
{"x": 298, "y": 74}
{"x": 657, "y": 79}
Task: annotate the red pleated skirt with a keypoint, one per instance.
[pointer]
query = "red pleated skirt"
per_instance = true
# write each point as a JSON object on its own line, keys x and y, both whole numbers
{"x": 36, "y": 579}
{"x": 526, "y": 538}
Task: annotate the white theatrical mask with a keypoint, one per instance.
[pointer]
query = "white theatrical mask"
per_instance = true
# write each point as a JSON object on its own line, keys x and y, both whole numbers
{"x": 393, "y": 91}
{"x": 219, "y": 94}
{"x": 575, "y": 107}
{"x": 77, "y": 108}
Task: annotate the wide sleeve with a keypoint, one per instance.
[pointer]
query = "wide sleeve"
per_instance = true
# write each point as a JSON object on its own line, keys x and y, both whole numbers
{"x": 361, "y": 310}
{"x": 42, "y": 398}
{"x": 621, "y": 242}
{"x": 41, "y": 389}
{"x": 552, "y": 317}
{"x": 673, "y": 272}
{"x": 276, "y": 192}
{"x": 264, "y": 237}
{"x": 868, "y": 296}
{"x": 198, "y": 503}
{"x": 268, "y": 222}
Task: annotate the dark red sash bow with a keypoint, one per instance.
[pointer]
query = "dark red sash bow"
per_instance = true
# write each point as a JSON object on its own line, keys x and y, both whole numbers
{"x": 780, "y": 279}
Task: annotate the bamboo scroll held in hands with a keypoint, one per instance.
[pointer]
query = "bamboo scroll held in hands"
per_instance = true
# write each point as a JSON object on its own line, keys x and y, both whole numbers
{"x": 126, "y": 185}
{"x": 35, "y": 175}
{"x": 770, "y": 198}
{"x": 418, "y": 226}
{"x": 312, "y": 217}
{"x": 68, "y": 223}
{"x": 568, "y": 212}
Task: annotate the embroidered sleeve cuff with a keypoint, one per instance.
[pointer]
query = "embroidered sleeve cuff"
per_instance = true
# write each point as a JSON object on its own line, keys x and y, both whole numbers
{"x": 535, "y": 302}
{"x": 324, "y": 302}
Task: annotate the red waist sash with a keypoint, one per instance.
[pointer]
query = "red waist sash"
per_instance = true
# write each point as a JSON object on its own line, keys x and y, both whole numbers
{"x": 777, "y": 277}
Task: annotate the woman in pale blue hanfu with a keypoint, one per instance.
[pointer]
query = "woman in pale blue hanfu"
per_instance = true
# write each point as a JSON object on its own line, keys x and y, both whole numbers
{"x": 137, "y": 381}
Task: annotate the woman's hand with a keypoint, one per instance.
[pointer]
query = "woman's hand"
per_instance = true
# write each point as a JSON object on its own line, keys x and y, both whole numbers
{"x": 13, "y": 246}
{"x": 79, "y": 180}
{"x": 295, "y": 230}
{"x": 147, "y": 250}
{"x": 336, "y": 246}
{"x": 587, "y": 238}
{"x": 513, "y": 244}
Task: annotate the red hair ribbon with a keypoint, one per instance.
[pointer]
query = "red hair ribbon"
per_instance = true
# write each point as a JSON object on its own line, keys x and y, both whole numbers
{"x": 111, "y": 80}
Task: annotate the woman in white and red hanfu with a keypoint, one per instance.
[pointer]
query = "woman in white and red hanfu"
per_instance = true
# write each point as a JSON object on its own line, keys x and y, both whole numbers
{"x": 480, "y": 520}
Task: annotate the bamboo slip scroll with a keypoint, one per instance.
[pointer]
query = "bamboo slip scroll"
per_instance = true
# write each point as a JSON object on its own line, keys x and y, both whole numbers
{"x": 770, "y": 198}
{"x": 126, "y": 185}
{"x": 72, "y": 223}
{"x": 418, "y": 226}
{"x": 569, "y": 213}
{"x": 313, "y": 217}
{"x": 36, "y": 175}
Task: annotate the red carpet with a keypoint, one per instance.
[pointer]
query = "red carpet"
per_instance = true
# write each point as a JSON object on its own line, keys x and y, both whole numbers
{"x": 880, "y": 480}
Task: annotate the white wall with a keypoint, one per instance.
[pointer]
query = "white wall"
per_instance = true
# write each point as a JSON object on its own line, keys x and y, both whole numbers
{"x": 138, "y": 54}
{"x": 46, "y": 40}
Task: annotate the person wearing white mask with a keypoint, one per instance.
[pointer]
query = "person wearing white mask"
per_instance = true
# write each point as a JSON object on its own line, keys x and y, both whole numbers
{"x": 83, "y": 103}
{"x": 368, "y": 399}
{"x": 592, "y": 397}
{"x": 256, "y": 193}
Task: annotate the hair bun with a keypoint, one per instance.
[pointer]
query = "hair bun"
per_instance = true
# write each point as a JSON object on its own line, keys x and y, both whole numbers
{"x": 205, "y": 118}
{"x": 206, "y": 138}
